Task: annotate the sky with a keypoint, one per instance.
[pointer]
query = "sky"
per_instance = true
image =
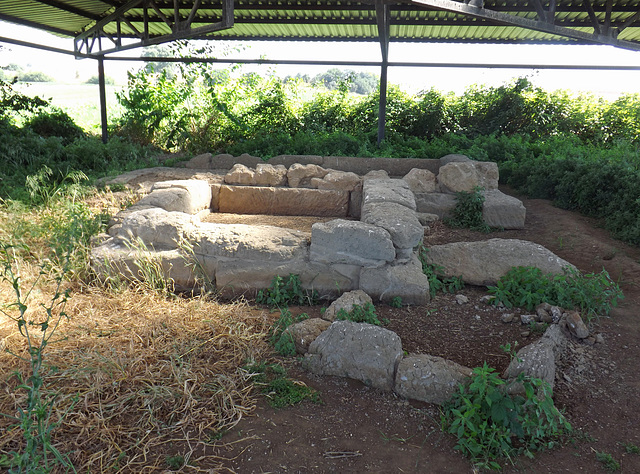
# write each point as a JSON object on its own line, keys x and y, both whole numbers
{"x": 606, "y": 83}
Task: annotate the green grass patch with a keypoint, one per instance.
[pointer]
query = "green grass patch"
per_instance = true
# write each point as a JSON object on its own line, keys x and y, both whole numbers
{"x": 280, "y": 390}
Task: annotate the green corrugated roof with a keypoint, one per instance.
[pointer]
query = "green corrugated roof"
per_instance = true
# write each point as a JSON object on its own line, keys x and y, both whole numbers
{"x": 340, "y": 20}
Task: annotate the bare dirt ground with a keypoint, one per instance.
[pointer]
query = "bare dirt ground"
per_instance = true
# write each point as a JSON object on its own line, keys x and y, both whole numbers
{"x": 360, "y": 429}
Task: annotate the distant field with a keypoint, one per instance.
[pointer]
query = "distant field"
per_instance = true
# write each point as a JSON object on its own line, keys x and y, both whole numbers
{"x": 80, "y": 101}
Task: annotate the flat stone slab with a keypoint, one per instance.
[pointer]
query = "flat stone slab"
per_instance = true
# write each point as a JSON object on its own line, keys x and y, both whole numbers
{"x": 485, "y": 262}
{"x": 428, "y": 378}
{"x": 404, "y": 280}
{"x": 466, "y": 175}
{"x": 378, "y": 190}
{"x": 187, "y": 195}
{"x": 358, "y": 351}
{"x": 351, "y": 242}
{"x": 283, "y": 201}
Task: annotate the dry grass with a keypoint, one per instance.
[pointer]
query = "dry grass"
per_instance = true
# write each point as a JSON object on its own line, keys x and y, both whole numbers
{"x": 140, "y": 376}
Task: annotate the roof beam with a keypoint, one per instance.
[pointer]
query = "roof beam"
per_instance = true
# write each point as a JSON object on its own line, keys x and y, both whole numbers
{"x": 606, "y": 36}
{"x": 180, "y": 27}
{"x": 69, "y": 8}
{"x": 33, "y": 24}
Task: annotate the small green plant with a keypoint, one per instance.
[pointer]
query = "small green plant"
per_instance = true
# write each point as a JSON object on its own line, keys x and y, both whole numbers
{"x": 435, "y": 275}
{"x": 202, "y": 281}
{"x": 631, "y": 448}
{"x": 593, "y": 294}
{"x": 279, "y": 337}
{"x": 286, "y": 292}
{"x": 175, "y": 462}
{"x": 361, "y": 314}
{"x": 607, "y": 461}
{"x": 492, "y": 425}
{"x": 35, "y": 418}
{"x": 396, "y": 302}
{"x": 280, "y": 390}
{"x": 151, "y": 274}
{"x": 468, "y": 211}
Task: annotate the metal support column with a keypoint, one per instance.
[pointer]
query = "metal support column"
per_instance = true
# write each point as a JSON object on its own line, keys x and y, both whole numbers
{"x": 382, "y": 14}
{"x": 103, "y": 99}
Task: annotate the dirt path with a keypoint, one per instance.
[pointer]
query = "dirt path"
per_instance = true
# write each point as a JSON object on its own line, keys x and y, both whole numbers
{"x": 359, "y": 429}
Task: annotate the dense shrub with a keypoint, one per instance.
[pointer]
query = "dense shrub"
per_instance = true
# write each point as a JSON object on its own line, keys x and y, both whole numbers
{"x": 55, "y": 123}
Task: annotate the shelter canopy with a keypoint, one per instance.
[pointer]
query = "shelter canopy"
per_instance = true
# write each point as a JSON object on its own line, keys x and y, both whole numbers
{"x": 103, "y": 26}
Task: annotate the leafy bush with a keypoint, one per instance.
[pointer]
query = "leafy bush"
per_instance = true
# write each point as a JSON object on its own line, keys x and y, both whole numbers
{"x": 35, "y": 76}
{"x": 283, "y": 292}
{"x": 526, "y": 287}
{"x": 492, "y": 425}
{"x": 110, "y": 81}
{"x": 55, "y": 123}
{"x": 279, "y": 338}
{"x": 361, "y": 314}
{"x": 468, "y": 211}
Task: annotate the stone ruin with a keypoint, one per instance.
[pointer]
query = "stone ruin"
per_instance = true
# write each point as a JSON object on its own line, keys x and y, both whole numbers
{"x": 380, "y": 207}
{"x": 370, "y": 245}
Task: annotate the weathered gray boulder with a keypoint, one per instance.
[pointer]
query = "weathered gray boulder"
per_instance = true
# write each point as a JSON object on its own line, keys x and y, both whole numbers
{"x": 338, "y": 180}
{"x": 347, "y": 301}
{"x": 305, "y": 332}
{"x": 283, "y": 201}
{"x": 576, "y": 326}
{"x": 375, "y": 174}
{"x": 351, "y": 242}
{"x": 358, "y": 351}
{"x": 300, "y": 176}
{"x": 270, "y": 175}
{"x": 453, "y": 158}
{"x": 388, "y": 190}
{"x": 426, "y": 218}
{"x": 240, "y": 174}
{"x": 400, "y": 221}
{"x": 539, "y": 358}
{"x": 405, "y": 280}
{"x": 501, "y": 210}
{"x": 440, "y": 204}
{"x": 428, "y": 378}
{"x": 202, "y": 161}
{"x": 484, "y": 262}
{"x": 421, "y": 181}
{"x": 466, "y": 175}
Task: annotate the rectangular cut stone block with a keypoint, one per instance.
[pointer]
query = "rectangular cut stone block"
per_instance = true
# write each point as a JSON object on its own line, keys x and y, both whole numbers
{"x": 501, "y": 210}
{"x": 283, "y": 201}
{"x": 440, "y": 204}
{"x": 388, "y": 190}
{"x": 405, "y": 280}
{"x": 351, "y": 242}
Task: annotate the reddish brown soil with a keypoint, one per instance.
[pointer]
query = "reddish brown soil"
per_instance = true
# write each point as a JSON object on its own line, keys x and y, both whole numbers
{"x": 359, "y": 429}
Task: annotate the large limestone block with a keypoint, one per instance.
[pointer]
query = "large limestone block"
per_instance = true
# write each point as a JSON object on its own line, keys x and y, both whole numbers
{"x": 115, "y": 260}
{"x": 453, "y": 158}
{"x": 429, "y": 379}
{"x": 466, "y": 175}
{"x": 283, "y": 201}
{"x": 300, "y": 176}
{"x": 405, "y": 280}
{"x": 338, "y": 180}
{"x": 157, "y": 228}
{"x": 202, "y": 161}
{"x": 237, "y": 277}
{"x": 270, "y": 175}
{"x": 501, "y": 210}
{"x": 358, "y": 351}
{"x": 440, "y": 204}
{"x": 351, "y": 242}
{"x": 241, "y": 175}
{"x": 484, "y": 262}
{"x": 191, "y": 195}
{"x": 246, "y": 242}
{"x": 388, "y": 190}
{"x": 347, "y": 301}
{"x": 421, "y": 181}
{"x": 400, "y": 221}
